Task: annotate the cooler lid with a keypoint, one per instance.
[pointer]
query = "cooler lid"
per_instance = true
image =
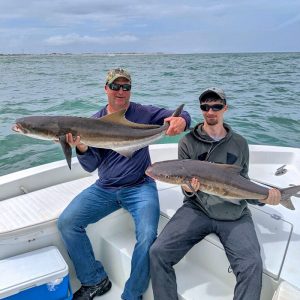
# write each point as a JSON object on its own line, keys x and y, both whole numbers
{"x": 31, "y": 269}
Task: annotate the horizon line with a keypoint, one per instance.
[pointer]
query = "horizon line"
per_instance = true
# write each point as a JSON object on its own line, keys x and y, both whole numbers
{"x": 141, "y": 53}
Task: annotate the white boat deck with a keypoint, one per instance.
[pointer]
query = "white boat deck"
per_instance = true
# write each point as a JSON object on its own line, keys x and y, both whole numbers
{"x": 30, "y": 217}
{"x": 41, "y": 206}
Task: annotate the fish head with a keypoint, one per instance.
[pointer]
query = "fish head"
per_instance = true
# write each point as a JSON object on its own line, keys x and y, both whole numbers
{"x": 20, "y": 127}
{"x": 168, "y": 171}
{"x": 33, "y": 126}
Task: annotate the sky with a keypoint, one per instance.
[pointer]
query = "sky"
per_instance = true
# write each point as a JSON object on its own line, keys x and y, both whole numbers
{"x": 169, "y": 26}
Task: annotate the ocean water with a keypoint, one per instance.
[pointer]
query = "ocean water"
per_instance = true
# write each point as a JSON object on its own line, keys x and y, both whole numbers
{"x": 263, "y": 92}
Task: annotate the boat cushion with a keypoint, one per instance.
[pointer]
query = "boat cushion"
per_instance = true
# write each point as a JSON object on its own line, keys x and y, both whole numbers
{"x": 39, "y": 206}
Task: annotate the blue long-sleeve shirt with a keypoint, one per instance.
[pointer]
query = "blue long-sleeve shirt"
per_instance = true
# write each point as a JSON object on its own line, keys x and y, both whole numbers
{"x": 115, "y": 170}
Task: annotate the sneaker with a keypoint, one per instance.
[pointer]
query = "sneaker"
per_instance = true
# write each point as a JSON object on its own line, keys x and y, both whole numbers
{"x": 89, "y": 292}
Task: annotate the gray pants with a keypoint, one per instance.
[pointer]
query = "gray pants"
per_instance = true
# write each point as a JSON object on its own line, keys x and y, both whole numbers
{"x": 188, "y": 227}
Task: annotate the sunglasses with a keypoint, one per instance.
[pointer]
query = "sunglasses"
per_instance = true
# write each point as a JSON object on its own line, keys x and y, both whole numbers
{"x": 214, "y": 107}
{"x": 116, "y": 87}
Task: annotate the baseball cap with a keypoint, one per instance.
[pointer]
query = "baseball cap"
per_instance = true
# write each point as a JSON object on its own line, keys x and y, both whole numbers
{"x": 114, "y": 74}
{"x": 219, "y": 92}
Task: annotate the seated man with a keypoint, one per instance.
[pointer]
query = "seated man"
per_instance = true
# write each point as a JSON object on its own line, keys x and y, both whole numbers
{"x": 122, "y": 183}
{"x": 202, "y": 214}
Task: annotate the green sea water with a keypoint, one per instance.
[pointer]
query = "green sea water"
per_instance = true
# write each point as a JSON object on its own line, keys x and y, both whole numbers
{"x": 263, "y": 92}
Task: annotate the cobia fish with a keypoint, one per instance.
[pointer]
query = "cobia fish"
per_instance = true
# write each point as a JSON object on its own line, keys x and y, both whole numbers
{"x": 112, "y": 131}
{"x": 221, "y": 180}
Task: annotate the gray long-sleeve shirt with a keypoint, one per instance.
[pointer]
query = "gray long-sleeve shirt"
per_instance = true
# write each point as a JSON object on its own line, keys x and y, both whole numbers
{"x": 232, "y": 149}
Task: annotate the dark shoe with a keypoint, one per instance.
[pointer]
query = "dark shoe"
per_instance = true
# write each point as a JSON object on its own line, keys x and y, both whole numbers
{"x": 89, "y": 292}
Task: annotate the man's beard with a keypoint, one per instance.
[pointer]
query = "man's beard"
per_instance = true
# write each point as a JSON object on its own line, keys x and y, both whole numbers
{"x": 211, "y": 121}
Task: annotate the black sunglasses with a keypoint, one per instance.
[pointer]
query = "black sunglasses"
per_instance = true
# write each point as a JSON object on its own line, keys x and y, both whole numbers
{"x": 116, "y": 87}
{"x": 214, "y": 107}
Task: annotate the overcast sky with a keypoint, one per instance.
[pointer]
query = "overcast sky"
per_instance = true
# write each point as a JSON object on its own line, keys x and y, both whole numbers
{"x": 171, "y": 26}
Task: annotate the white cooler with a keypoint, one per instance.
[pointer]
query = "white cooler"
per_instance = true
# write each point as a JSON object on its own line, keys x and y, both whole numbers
{"x": 40, "y": 274}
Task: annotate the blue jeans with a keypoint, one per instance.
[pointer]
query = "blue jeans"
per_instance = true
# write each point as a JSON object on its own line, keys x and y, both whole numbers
{"x": 93, "y": 204}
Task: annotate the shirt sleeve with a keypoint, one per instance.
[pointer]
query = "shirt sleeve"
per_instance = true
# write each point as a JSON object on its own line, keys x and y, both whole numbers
{"x": 183, "y": 150}
{"x": 159, "y": 114}
{"x": 89, "y": 160}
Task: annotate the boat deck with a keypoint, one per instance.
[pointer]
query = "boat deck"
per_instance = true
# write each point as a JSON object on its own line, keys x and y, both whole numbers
{"x": 28, "y": 221}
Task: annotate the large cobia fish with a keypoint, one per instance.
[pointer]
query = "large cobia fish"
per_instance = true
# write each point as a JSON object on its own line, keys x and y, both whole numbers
{"x": 112, "y": 131}
{"x": 217, "y": 179}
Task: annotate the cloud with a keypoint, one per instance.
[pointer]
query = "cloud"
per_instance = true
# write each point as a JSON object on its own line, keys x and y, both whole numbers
{"x": 134, "y": 25}
{"x": 115, "y": 12}
{"x": 289, "y": 22}
{"x": 71, "y": 39}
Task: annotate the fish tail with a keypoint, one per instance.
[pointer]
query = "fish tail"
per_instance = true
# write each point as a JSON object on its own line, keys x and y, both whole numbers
{"x": 178, "y": 111}
{"x": 288, "y": 204}
{"x": 286, "y": 195}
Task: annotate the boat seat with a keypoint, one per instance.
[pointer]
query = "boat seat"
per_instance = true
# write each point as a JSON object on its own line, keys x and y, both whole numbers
{"x": 286, "y": 291}
{"x": 116, "y": 243}
{"x": 41, "y": 206}
{"x": 196, "y": 273}
{"x": 268, "y": 227}
{"x": 45, "y": 205}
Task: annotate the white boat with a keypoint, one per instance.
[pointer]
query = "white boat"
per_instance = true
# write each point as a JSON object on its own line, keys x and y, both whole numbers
{"x": 32, "y": 200}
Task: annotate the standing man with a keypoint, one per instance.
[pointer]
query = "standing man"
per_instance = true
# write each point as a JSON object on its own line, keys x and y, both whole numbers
{"x": 202, "y": 214}
{"x": 122, "y": 183}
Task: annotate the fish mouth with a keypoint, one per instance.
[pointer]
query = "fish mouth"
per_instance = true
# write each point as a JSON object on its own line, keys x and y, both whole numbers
{"x": 17, "y": 128}
{"x": 149, "y": 171}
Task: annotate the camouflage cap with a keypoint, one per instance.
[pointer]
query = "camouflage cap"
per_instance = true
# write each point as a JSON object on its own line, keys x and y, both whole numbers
{"x": 113, "y": 74}
{"x": 219, "y": 92}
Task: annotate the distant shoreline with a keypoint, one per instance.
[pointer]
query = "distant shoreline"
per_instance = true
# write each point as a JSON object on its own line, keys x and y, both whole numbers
{"x": 137, "y": 53}
{"x": 86, "y": 53}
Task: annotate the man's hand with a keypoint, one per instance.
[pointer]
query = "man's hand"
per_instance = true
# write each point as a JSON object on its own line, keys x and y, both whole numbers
{"x": 195, "y": 183}
{"x": 76, "y": 142}
{"x": 273, "y": 197}
{"x": 177, "y": 125}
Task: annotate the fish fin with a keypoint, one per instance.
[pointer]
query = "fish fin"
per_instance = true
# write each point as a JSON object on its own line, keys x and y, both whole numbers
{"x": 231, "y": 168}
{"x": 66, "y": 149}
{"x": 287, "y": 193}
{"x": 264, "y": 183}
{"x": 119, "y": 118}
{"x": 287, "y": 204}
{"x": 127, "y": 153}
{"x": 178, "y": 111}
{"x": 295, "y": 195}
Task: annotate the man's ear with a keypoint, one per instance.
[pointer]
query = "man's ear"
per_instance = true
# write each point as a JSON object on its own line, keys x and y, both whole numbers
{"x": 226, "y": 107}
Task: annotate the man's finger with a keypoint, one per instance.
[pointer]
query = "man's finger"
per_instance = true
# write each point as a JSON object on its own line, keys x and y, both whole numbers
{"x": 171, "y": 131}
